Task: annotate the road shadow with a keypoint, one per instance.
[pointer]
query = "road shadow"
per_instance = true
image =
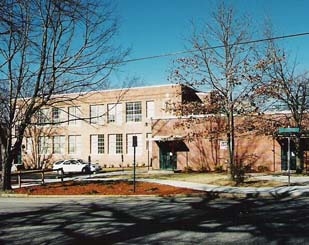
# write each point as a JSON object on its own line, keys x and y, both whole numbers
{"x": 186, "y": 220}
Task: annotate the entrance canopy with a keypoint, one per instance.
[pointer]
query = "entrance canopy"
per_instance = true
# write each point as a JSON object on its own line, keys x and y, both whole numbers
{"x": 170, "y": 143}
{"x": 167, "y": 138}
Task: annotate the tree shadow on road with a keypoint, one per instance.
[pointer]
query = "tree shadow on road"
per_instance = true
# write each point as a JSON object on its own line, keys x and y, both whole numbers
{"x": 200, "y": 220}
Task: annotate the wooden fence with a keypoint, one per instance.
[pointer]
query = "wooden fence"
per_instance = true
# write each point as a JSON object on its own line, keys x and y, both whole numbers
{"x": 20, "y": 173}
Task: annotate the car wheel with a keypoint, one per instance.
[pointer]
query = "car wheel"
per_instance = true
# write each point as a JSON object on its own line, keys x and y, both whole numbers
{"x": 85, "y": 170}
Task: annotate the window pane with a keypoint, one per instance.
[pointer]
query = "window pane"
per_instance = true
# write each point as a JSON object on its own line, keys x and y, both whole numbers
{"x": 118, "y": 143}
{"x": 100, "y": 144}
{"x": 58, "y": 144}
{"x": 134, "y": 111}
{"x": 44, "y": 145}
{"x": 97, "y": 144}
{"x": 43, "y": 116}
{"x": 74, "y": 115}
{"x": 115, "y": 144}
{"x": 74, "y": 144}
{"x": 150, "y": 109}
{"x": 114, "y": 113}
{"x": 97, "y": 114}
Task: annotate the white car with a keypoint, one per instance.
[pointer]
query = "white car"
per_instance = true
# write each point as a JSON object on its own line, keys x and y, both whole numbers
{"x": 94, "y": 167}
{"x": 16, "y": 167}
{"x": 72, "y": 166}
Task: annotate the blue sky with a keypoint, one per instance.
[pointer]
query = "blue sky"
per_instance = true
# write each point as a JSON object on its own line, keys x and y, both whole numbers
{"x": 154, "y": 27}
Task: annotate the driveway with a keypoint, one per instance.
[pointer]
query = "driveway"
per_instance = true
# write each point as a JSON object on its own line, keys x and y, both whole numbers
{"x": 154, "y": 220}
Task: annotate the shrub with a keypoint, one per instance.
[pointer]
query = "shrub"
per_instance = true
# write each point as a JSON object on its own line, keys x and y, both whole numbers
{"x": 188, "y": 169}
{"x": 219, "y": 169}
{"x": 262, "y": 169}
{"x": 203, "y": 169}
{"x": 238, "y": 174}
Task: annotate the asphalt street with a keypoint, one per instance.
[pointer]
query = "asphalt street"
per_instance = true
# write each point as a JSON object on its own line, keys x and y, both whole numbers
{"x": 154, "y": 220}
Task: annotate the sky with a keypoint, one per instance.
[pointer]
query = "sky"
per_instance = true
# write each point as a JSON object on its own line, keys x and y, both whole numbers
{"x": 157, "y": 27}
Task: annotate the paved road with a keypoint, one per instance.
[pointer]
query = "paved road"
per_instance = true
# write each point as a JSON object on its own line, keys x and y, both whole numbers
{"x": 154, "y": 220}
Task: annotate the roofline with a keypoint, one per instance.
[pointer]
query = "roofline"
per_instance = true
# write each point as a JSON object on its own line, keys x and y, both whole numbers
{"x": 119, "y": 89}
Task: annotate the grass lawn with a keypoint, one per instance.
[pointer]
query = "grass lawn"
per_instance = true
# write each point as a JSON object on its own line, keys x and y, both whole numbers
{"x": 220, "y": 179}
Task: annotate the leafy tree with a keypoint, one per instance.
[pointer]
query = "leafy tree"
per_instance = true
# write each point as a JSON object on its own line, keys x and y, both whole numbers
{"x": 49, "y": 48}
{"x": 222, "y": 63}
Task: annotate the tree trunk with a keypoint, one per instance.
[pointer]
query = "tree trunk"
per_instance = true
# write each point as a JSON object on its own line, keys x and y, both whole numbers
{"x": 231, "y": 146}
{"x": 6, "y": 174}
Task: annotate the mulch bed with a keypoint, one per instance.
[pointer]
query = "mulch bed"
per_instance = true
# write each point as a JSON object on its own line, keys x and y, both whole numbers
{"x": 104, "y": 188}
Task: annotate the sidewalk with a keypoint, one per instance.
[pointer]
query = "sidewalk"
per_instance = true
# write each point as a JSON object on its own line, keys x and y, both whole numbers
{"x": 299, "y": 185}
{"x": 276, "y": 192}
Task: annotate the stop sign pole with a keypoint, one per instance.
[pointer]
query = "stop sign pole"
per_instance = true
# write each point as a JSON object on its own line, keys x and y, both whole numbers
{"x": 134, "y": 144}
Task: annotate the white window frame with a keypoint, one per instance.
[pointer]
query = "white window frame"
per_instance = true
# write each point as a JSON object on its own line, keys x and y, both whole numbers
{"x": 29, "y": 145}
{"x": 74, "y": 144}
{"x": 97, "y": 144}
{"x": 134, "y": 112}
{"x": 114, "y": 113}
{"x": 97, "y": 114}
{"x": 43, "y": 116}
{"x": 74, "y": 114}
{"x": 59, "y": 144}
{"x": 44, "y": 145}
{"x": 115, "y": 144}
{"x": 150, "y": 109}
{"x": 60, "y": 115}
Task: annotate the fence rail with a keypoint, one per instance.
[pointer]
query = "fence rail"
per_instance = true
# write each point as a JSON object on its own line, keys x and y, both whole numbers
{"x": 20, "y": 173}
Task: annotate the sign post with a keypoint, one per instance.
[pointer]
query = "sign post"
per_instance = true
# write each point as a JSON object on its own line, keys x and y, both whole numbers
{"x": 288, "y": 133}
{"x": 289, "y": 161}
{"x": 134, "y": 144}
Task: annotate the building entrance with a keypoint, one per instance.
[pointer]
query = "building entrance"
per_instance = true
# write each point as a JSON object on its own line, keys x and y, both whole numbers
{"x": 168, "y": 160}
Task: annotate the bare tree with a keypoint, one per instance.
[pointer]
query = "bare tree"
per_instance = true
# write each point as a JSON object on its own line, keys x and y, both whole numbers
{"x": 281, "y": 87}
{"x": 47, "y": 48}
{"x": 222, "y": 63}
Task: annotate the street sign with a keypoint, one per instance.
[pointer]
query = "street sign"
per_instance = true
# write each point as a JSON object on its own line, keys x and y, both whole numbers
{"x": 288, "y": 130}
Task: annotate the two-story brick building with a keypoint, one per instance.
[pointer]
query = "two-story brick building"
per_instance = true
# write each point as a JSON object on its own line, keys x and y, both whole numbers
{"x": 100, "y": 126}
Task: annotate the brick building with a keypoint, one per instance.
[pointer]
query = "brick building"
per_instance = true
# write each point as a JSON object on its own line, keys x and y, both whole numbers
{"x": 100, "y": 126}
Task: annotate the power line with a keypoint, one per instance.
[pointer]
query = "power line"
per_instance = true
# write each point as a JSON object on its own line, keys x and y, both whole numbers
{"x": 213, "y": 47}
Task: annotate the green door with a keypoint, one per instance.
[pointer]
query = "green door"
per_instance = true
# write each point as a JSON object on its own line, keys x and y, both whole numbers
{"x": 168, "y": 160}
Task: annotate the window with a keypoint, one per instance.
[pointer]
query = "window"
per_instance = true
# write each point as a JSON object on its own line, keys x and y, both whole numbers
{"x": 29, "y": 145}
{"x": 97, "y": 114}
{"x": 150, "y": 110}
{"x": 43, "y": 116}
{"x": 129, "y": 144}
{"x": 74, "y": 144}
{"x": 134, "y": 111}
{"x": 58, "y": 144}
{"x": 114, "y": 113}
{"x": 97, "y": 144}
{"x": 57, "y": 115}
{"x": 115, "y": 144}
{"x": 74, "y": 115}
{"x": 44, "y": 145}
